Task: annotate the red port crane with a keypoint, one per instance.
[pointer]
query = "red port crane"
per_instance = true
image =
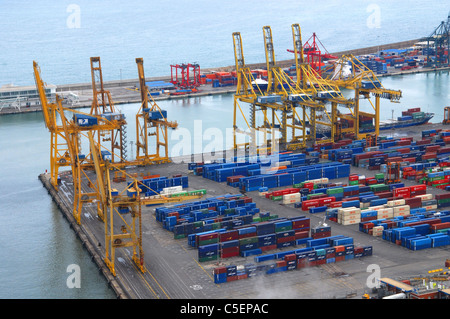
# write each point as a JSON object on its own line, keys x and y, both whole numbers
{"x": 315, "y": 53}
{"x": 189, "y": 75}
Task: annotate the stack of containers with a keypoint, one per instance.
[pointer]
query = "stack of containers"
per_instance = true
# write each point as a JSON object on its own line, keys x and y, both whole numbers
{"x": 321, "y": 232}
{"x": 252, "y": 239}
{"x": 291, "y": 198}
{"x": 349, "y": 216}
{"x": 443, "y": 200}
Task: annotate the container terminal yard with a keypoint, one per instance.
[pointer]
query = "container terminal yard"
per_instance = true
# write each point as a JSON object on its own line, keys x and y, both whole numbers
{"x": 308, "y": 213}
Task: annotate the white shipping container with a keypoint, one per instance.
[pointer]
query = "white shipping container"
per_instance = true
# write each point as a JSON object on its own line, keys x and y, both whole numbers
{"x": 385, "y": 215}
{"x": 404, "y": 208}
{"x": 350, "y": 217}
{"x": 349, "y": 211}
{"x": 425, "y": 197}
{"x": 351, "y": 222}
{"x": 377, "y": 208}
{"x": 397, "y": 202}
{"x": 430, "y": 207}
{"x": 386, "y": 211}
{"x": 292, "y": 196}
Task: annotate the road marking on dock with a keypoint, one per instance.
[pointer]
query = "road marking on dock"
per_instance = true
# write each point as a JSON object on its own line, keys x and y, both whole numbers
{"x": 145, "y": 280}
{"x": 197, "y": 263}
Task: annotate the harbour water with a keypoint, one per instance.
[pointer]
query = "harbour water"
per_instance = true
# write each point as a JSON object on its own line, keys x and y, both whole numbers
{"x": 37, "y": 244}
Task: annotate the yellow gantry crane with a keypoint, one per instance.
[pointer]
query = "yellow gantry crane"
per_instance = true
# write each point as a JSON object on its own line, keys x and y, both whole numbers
{"x": 271, "y": 116}
{"x": 151, "y": 120}
{"x": 91, "y": 173}
{"x": 323, "y": 91}
{"x": 124, "y": 207}
{"x": 59, "y": 152}
{"x": 103, "y": 105}
{"x": 286, "y": 107}
{"x": 66, "y": 143}
{"x": 350, "y": 73}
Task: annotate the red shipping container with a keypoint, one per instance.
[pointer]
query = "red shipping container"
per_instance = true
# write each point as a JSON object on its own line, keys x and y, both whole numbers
{"x": 429, "y": 222}
{"x": 442, "y": 196}
{"x": 384, "y": 194}
{"x": 266, "y": 248}
{"x": 440, "y": 226}
{"x": 321, "y": 262}
{"x": 418, "y": 187}
{"x": 303, "y": 223}
{"x": 280, "y": 263}
{"x": 402, "y": 191}
{"x": 427, "y": 156}
{"x": 241, "y": 236}
{"x": 229, "y": 255}
{"x": 220, "y": 270}
{"x": 232, "y": 278}
{"x": 326, "y": 200}
{"x": 174, "y": 214}
{"x": 339, "y": 248}
{"x": 403, "y": 142}
{"x": 432, "y": 148}
{"x": 321, "y": 235}
{"x": 301, "y": 234}
{"x": 285, "y": 239}
{"x": 414, "y": 202}
{"x": 309, "y": 186}
{"x": 403, "y": 150}
{"x": 307, "y": 204}
{"x": 368, "y": 226}
{"x": 243, "y": 276}
{"x": 290, "y": 257}
{"x": 366, "y": 219}
{"x": 247, "y": 199}
{"x": 410, "y": 160}
{"x": 234, "y": 179}
{"x": 421, "y": 192}
{"x": 207, "y": 236}
{"x": 335, "y": 204}
{"x": 229, "y": 235}
{"x": 423, "y": 141}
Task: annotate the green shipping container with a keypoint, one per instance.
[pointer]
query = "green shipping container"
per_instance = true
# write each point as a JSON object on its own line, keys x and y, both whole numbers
{"x": 216, "y": 225}
{"x": 248, "y": 240}
{"x": 209, "y": 258}
{"x": 179, "y": 194}
{"x": 284, "y": 228}
{"x": 277, "y": 197}
{"x": 208, "y": 241}
{"x": 337, "y": 190}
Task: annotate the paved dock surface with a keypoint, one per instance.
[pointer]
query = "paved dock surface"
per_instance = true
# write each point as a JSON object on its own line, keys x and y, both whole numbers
{"x": 173, "y": 270}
